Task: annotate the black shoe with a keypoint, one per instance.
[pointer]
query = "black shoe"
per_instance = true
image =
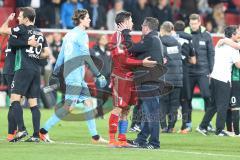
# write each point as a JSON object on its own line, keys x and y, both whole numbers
{"x": 134, "y": 143}
{"x": 19, "y": 136}
{"x": 164, "y": 130}
{"x": 149, "y": 146}
{"x": 33, "y": 139}
{"x": 210, "y": 128}
{"x": 202, "y": 131}
{"x": 224, "y": 133}
{"x": 170, "y": 130}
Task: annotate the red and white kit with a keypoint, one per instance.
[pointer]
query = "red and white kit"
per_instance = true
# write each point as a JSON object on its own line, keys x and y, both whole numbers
{"x": 123, "y": 86}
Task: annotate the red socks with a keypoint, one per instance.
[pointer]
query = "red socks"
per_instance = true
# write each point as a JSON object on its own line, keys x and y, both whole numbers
{"x": 122, "y": 137}
{"x": 113, "y": 125}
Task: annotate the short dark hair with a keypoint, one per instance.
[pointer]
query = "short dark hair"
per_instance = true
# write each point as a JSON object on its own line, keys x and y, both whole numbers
{"x": 28, "y": 12}
{"x": 152, "y": 23}
{"x": 230, "y": 30}
{"x": 79, "y": 14}
{"x": 194, "y": 16}
{"x": 179, "y": 26}
{"x": 122, "y": 16}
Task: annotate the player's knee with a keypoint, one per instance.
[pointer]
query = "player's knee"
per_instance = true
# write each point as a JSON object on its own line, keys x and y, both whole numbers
{"x": 32, "y": 102}
{"x": 125, "y": 112}
{"x": 15, "y": 97}
{"x": 117, "y": 110}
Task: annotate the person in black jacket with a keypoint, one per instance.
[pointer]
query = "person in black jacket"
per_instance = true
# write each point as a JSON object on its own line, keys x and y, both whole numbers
{"x": 49, "y": 14}
{"x": 101, "y": 51}
{"x": 170, "y": 103}
{"x": 188, "y": 57}
{"x": 162, "y": 11}
{"x": 150, "y": 46}
{"x": 140, "y": 10}
{"x": 199, "y": 73}
{"x": 97, "y": 14}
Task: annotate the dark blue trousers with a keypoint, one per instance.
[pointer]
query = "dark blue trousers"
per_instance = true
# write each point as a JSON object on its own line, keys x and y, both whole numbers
{"x": 150, "y": 122}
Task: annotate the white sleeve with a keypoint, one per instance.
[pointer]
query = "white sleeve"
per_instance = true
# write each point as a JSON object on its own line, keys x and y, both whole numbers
{"x": 235, "y": 56}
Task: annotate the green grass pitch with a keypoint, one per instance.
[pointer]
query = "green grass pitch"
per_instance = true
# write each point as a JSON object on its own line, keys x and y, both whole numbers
{"x": 73, "y": 143}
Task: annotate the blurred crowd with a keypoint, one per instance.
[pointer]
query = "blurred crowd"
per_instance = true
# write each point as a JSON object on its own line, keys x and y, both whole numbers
{"x": 58, "y": 13}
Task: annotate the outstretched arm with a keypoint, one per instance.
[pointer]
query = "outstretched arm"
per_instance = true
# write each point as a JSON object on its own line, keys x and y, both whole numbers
{"x": 135, "y": 48}
{"x": 5, "y": 28}
{"x": 91, "y": 65}
{"x": 16, "y": 42}
{"x": 229, "y": 42}
{"x": 45, "y": 53}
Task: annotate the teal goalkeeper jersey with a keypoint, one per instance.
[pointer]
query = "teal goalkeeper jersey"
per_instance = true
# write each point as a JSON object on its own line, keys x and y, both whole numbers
{"x": 75, "y": 45}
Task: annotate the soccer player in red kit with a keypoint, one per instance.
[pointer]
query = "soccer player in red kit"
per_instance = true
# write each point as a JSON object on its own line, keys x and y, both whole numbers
{"x": 123, "y": 86}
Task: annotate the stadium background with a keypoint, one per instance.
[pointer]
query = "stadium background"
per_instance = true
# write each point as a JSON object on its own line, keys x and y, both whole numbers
{"x": 73, "y": 139}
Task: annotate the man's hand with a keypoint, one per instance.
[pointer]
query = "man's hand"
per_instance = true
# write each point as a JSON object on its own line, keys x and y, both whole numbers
{"x": 121, "y": 27}
{"x": 46, "y": 52}
{"x": 11, "y": 17}
{"x": 32, "y": 41}
{"x": 149, "y": 63}
{"x": 192, "y": 60}
{"x": 54, "y": 80}
{"x": 4, "y": 29}
{"x": 165, "y": 61}
{"x": 101, "y": 81}
{"x": 220, "y": 42}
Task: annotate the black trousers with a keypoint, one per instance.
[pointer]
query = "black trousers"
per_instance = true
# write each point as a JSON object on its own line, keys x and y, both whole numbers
{"x": 203, "y": 82}
{"x": 221, "y": 92}
{"x": 232, "y": 121}
{"x": 169, "y": 108}
{"x": 185, "y": 99}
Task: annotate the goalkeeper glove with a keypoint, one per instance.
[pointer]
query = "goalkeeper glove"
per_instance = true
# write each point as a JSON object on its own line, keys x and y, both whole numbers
{"x": 101, "y": 81}
{"x": 54, "y": 81}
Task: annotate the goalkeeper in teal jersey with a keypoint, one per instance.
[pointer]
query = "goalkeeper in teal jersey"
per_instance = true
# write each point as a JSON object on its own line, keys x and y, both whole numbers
{"x": 73, "y": 56}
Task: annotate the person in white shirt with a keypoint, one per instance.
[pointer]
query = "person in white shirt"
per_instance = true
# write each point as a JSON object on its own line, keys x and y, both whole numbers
{"x": 225, "y": 58}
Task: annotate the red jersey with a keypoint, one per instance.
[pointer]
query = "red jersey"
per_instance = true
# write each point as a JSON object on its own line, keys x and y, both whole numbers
{"x": 124, "y": 93}
{"x": 123, "y": 62}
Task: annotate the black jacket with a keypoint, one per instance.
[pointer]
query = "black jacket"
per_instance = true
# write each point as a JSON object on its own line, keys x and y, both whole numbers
{"x": 203, "y": 46}
{"x": 149, "y": 46}
{"x": 106, "y": 60}
{"x": 164, "y": 14}
{"x": 172, "y": 51}
{"x": 138, "y": 15}
{"x": 101, "y": 19}
{"x": 187, "y": 49}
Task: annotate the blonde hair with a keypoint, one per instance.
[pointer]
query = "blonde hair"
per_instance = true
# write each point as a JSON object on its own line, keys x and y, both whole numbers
{"x": 167, "y": 27}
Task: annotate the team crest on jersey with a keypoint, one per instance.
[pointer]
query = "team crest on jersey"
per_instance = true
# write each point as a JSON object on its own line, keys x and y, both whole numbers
{"x": 16, "y": 29}
{"x": 30, "y": 32}
{"x": 97, "y": 54}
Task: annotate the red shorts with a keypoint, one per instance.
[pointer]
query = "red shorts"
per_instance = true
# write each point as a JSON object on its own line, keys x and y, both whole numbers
{"x": 123, "y": 91}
